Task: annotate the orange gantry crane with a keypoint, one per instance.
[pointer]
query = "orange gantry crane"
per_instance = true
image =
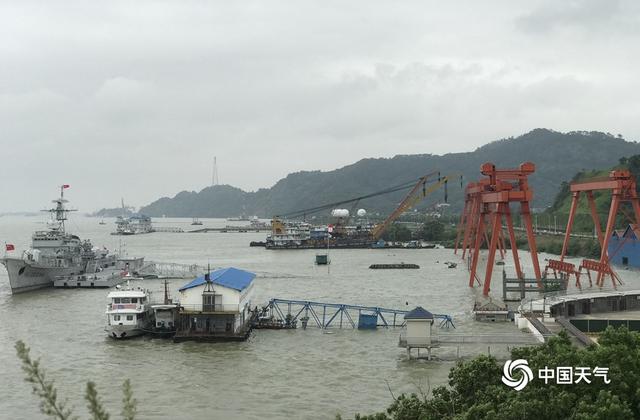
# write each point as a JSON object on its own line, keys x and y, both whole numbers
{"x": 487, "y": 203}
{"x": 623, "y": 189}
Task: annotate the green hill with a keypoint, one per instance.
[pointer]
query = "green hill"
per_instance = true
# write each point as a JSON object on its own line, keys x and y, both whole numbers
{"x": 583, "y": 221}
{"x": 557, "y": 156}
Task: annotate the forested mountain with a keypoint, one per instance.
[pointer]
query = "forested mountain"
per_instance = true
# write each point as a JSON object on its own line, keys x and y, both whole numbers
{"x": 558, "y": 156}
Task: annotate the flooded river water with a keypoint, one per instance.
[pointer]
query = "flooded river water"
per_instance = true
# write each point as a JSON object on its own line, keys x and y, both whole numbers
{"x": 275, "y": 374}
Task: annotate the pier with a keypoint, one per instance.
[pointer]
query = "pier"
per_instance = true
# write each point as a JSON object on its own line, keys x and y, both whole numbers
{"x": 324, "y": 315}
{"x": 153, "y": 269}
{"x": 168, "y": 229}
{"x": 232, "y": 229}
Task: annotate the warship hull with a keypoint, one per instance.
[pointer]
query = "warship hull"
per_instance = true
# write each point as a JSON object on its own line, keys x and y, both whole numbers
{"x": 24, "y": 277}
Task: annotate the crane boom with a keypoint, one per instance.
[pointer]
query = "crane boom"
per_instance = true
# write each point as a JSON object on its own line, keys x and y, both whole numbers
{"x": 418, "y": 193}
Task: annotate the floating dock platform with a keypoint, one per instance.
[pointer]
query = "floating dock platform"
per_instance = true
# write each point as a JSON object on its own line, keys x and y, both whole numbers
{"x": 393, "y": 266}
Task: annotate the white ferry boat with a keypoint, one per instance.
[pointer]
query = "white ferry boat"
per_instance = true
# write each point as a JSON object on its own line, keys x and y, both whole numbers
{"x": 128, "y": 312}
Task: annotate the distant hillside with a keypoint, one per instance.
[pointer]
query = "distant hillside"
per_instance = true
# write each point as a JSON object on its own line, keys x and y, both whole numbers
{"x": 558, "y": 156}
{"x": 114, "y": 212}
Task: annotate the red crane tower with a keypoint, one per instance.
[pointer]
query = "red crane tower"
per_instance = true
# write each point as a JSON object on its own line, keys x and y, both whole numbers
{"x": 623, "y": 189}
{"x": 490, "y": 198}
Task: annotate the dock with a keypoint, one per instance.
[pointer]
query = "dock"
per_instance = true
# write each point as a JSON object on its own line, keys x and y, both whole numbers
{"x": 154, "y": 269}
{"x": 168, "y": 229}
{"x": 90, "y": 281}
{"x": 232, "y": 229}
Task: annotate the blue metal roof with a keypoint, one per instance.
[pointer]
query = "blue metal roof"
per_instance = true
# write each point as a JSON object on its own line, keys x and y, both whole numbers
{"x": 231, "y": 277}
{"x": 419, "y": 313}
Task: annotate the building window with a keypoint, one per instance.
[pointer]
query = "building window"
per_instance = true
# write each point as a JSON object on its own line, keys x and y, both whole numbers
{"x": 625, "y": 260}
{"x": 129, "y": 317}
{"x": 208, "y": 302}
{"x": 116, "y": 317}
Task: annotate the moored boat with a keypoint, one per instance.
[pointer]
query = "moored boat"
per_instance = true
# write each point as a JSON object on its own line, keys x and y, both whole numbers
{"x": 165, "y": 315}
{"x": 129, "y": 312}
{"x": 54, "y": 253}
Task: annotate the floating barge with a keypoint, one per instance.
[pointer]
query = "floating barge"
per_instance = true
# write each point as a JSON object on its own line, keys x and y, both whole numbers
{"x": 216, "y": 307}
{"x": 393, "y": 266}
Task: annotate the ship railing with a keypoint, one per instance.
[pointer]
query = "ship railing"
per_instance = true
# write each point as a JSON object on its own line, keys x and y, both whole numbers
{"x": 86, "y": 277}
{"x": 211, "y": 309}
{"x": 119, "y": 306}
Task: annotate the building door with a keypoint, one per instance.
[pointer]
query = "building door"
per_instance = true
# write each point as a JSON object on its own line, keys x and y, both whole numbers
{"x": 208, "y": 302}
{"x": 571, "y": 309}
{"x": 625, "y": 260}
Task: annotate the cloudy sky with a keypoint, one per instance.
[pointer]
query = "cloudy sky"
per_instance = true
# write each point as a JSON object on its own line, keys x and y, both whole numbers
{"x": 133, "y": 99}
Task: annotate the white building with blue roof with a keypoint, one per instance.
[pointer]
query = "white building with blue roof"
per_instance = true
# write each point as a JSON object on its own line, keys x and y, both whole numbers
{"x": 216, "y": 306}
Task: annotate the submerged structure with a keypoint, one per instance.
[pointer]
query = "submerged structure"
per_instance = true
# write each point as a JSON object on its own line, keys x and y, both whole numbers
{"x": 417, "y": 334}
{"x": 216, "y": 306}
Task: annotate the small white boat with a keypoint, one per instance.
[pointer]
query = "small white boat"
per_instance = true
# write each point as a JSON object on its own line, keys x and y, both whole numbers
{"x": 128, "y": 312}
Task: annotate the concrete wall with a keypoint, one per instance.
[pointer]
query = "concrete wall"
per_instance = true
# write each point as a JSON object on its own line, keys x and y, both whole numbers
{"x": 594, "y": 305}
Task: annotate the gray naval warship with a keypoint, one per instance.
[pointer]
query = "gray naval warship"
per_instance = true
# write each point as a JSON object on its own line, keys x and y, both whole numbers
{"x": 54, "y": 253}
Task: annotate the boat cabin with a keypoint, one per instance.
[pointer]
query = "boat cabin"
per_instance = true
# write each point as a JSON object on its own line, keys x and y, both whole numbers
{"x": 127, "y": 306}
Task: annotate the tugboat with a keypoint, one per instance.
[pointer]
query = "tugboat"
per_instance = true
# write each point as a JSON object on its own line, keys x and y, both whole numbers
{"x": 165, "y": 315}
{"x": 196, "y": 222}
{"x": 54, "y": 253}
{"x": 128, "y": 312}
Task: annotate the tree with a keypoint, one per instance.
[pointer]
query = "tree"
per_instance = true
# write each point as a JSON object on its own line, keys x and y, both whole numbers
{"x": 51, "y": 406}
{"x": 476, "y": 391}
{"x": 432, "y": 230}
{"x": 397, "y": 232}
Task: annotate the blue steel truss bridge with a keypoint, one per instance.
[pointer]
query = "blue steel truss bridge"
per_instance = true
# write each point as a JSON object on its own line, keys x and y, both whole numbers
{"x": 325, "y": 315}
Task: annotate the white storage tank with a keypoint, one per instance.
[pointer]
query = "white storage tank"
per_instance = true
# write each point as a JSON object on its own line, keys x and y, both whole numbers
{"x": 340, "y": 213}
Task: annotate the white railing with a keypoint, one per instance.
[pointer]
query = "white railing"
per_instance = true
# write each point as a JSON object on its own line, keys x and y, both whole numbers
{"x": 122, "y": 306}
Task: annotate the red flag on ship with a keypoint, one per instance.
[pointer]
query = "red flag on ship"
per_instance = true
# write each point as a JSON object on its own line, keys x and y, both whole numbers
{"x": 9, "y": 247}
{"x": 330, "y": 228}
{"x": 66, "y": 186}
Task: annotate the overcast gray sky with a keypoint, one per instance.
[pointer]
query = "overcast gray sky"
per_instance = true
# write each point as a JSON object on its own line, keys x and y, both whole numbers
{"x": 133, "y": 99}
